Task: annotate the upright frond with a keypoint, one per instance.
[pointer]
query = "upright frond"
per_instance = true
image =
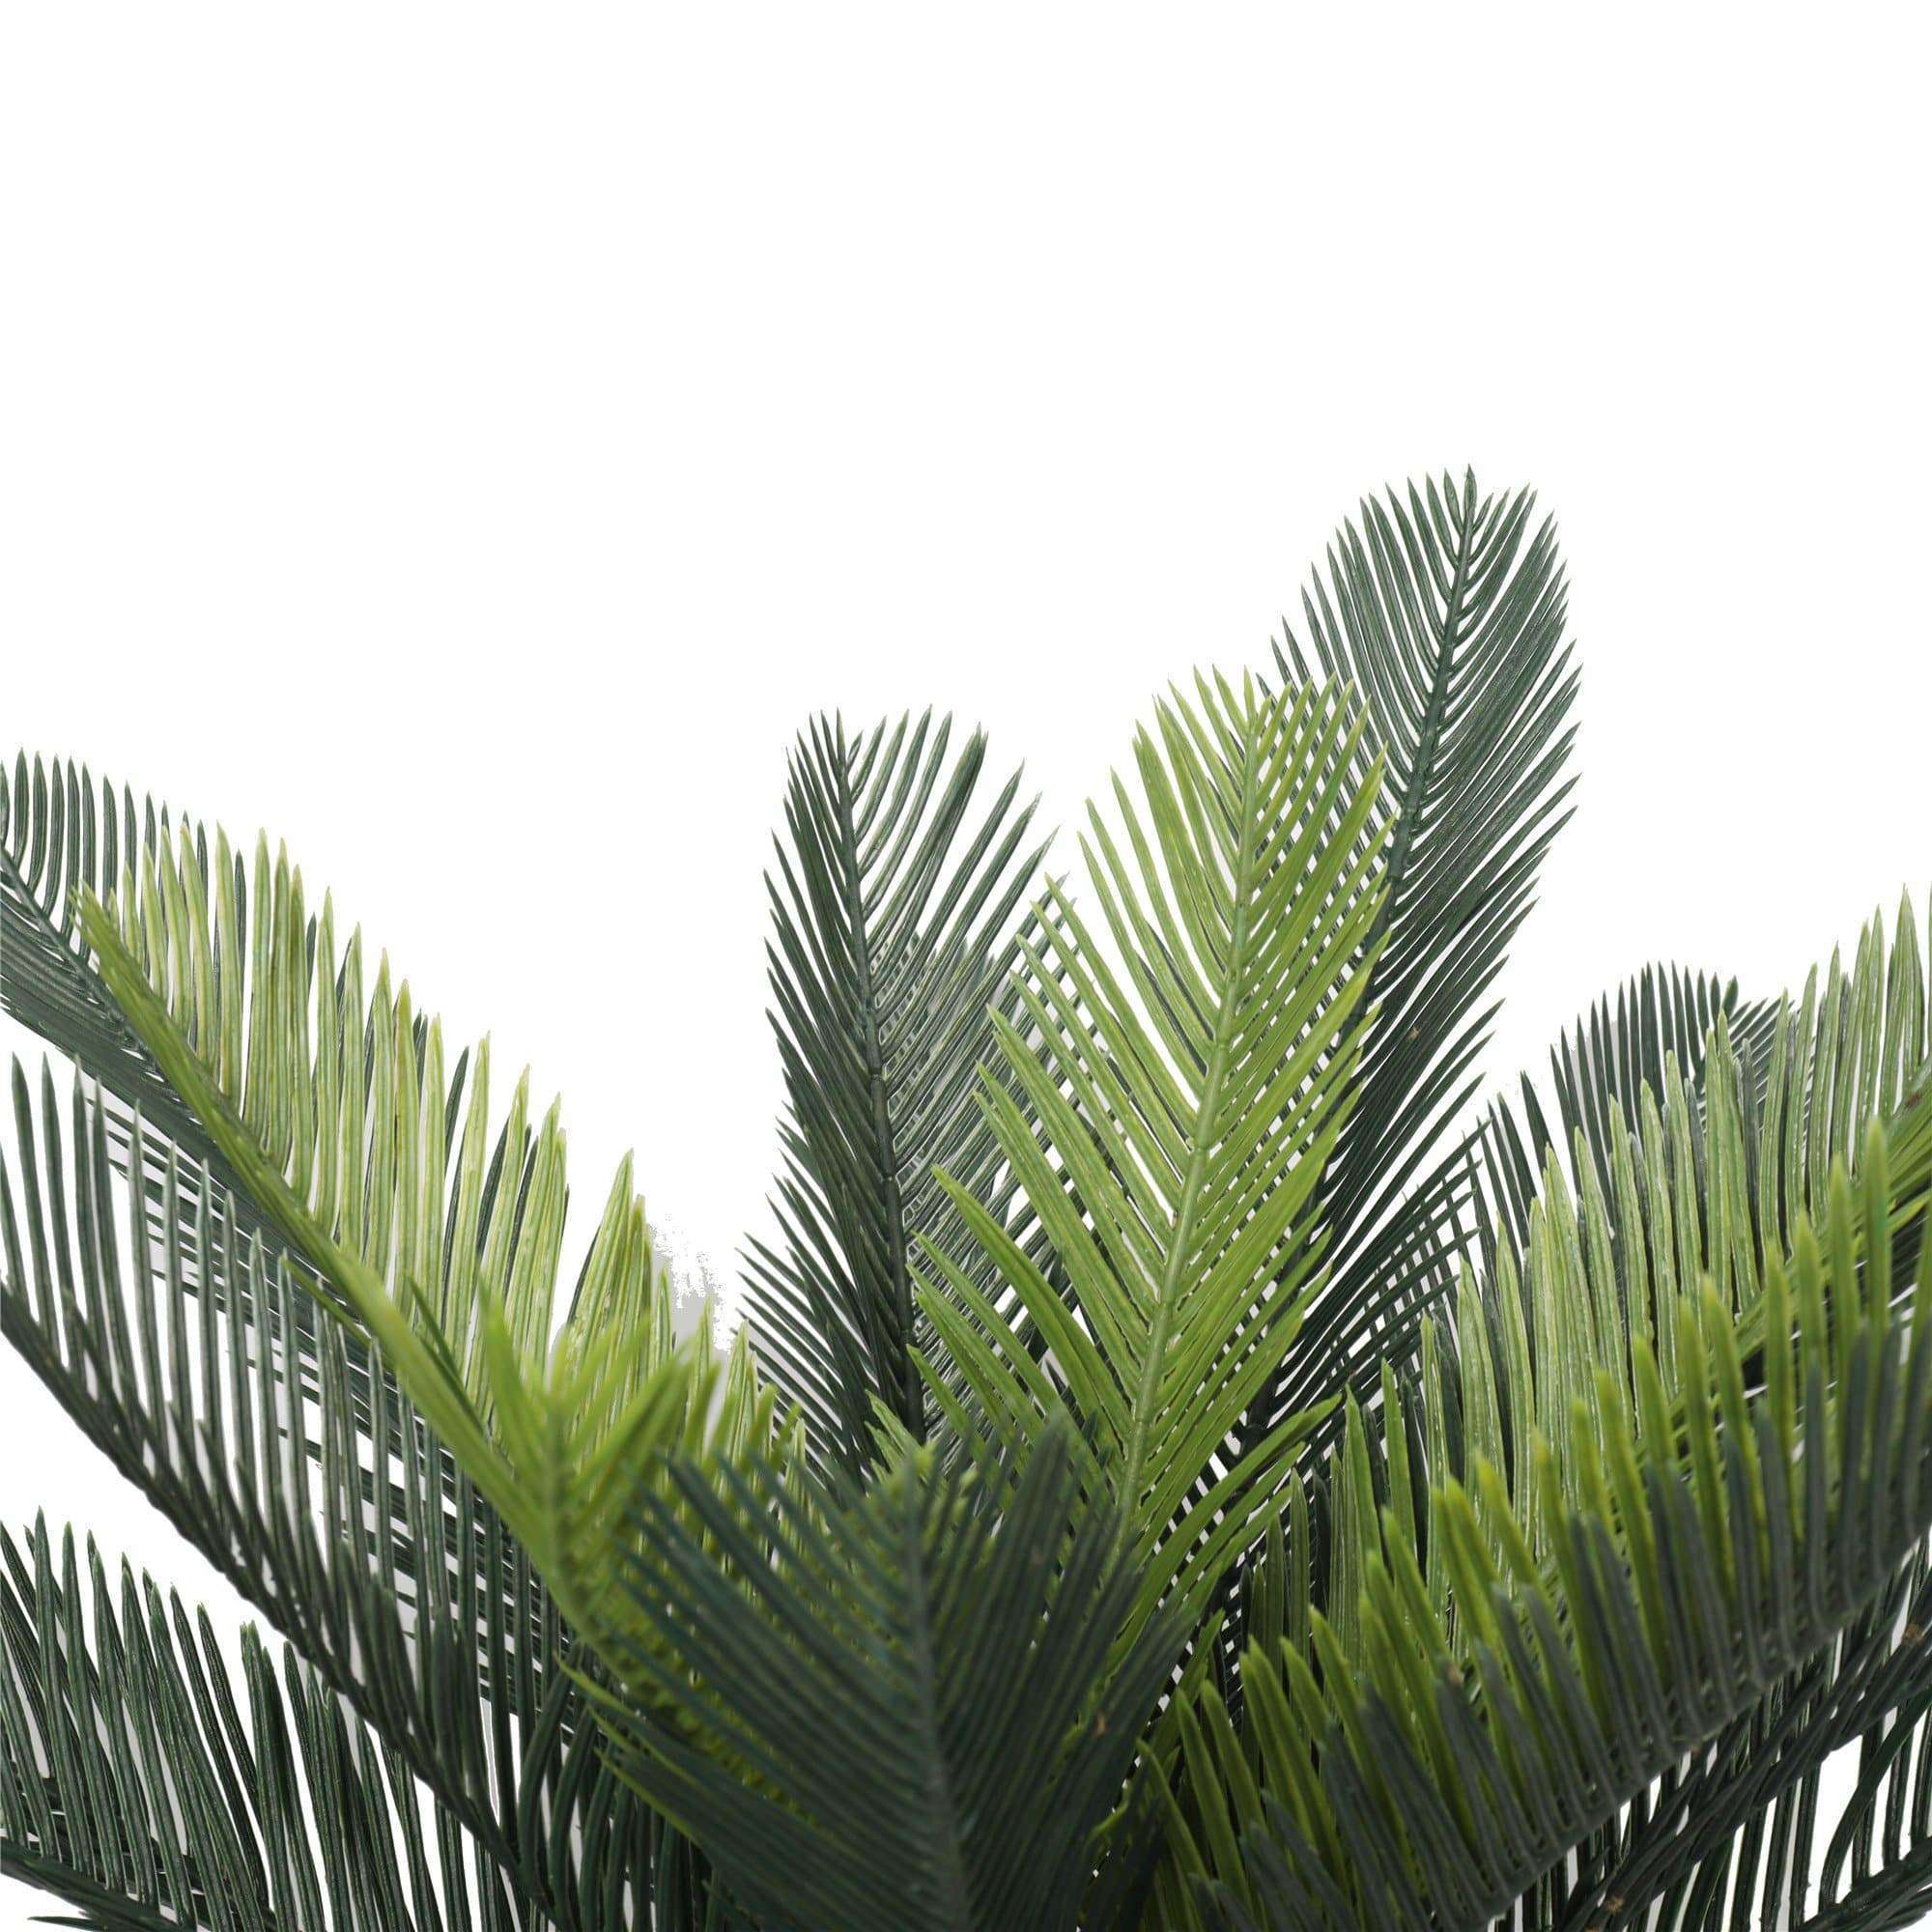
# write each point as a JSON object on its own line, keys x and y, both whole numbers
{"x": 1445, "y": 610}
{"x": 1169, "y": 1110}
{"x": 900, "y": 1714}
{"x": 891, "y": 914}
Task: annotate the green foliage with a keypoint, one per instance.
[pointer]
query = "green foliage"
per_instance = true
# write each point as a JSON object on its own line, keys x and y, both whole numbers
{"x": 933, "y": 1635}
{"x": 1445, "y": 610}
{"x": 891, "y": 917}
{"x": 1183, "y": 1470}
{"x": 195, "y": 1405}
{"x": 134, "y": 1789}
{"x": 1180, "y": 1109}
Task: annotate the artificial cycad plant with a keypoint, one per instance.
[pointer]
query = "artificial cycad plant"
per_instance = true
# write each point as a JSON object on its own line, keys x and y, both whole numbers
{"x": 1189, "y": 1462}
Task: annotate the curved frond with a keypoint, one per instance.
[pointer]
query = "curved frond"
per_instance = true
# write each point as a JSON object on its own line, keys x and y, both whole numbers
{"x": 1446, "y": 611}
{"x": 1616, "y": 1601}
{"x": 392, "y": 1212}
{"x": 1649, "y": 1034}
{"x": 440, "y": 1263}
{"x": 137, "y": 1784}
{"x": 1639, "y": 1493}
{"x": 64, "y": 834}
{"x": 211, "y": 929}
{"x": 891, "y": 910}
{"x": 379, "y": 1568}
{"x": 1182, "y": 1098}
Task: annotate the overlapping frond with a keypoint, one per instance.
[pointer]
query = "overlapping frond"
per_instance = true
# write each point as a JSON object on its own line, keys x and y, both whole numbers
{"x": 1651, "y": 1032}
{"x": 905, "y": 1713}
{"x": 1581, "y": 1464}
{"x": 379, "y": 1568}
{"x": 390, "y": 1209}
{"x": 891, "y": 913}
{"x": 211, "y": 930}
{"x": 1446, "y": 610}
{"x": 1751, "y": 1831}
{"x": 1815, "y": 1070}
{"x": 433, "y": 1256}
{"x": 1640, "y": 1493}
{"x": 143, "y": 1785}
{"x": 64, "y": 834}
{"x": 1169, "y": 1109}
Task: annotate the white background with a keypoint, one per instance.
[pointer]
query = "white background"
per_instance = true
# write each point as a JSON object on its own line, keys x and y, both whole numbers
{"x": 470, "y": 444}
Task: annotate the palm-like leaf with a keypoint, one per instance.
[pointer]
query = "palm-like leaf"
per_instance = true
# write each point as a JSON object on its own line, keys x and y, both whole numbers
{"x": 1651, "y": 1035}
{"x": 380, "y": 1569}
{"x": 62, "y": 834}
{"x": 371, "y": 1182}
{"x": 902, "y": 1713}
{"x": 132, "y": 1786}
{"x": 209, "y": 929}
{"x": 448, "y": 1273}
{"x": 1790, "y": 1103}
{"x": 1622, "y": 1404}
{"x": 1593, "y": 1606}
{"x": 1179, "y": 1110}
{"x": 891, "y": 913}
{"x": 1446, "y": 612}
{"x": 1629, "y": 1551}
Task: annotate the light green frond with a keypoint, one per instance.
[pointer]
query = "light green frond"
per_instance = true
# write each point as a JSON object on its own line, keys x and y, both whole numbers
{"x": 1182, "y": 1088}
{"x": 1691, "y": 1544}
{"x": 1812, "y": 1069}
{"x": 443, "y": 1265}
{"x": 1651, "y": 1034}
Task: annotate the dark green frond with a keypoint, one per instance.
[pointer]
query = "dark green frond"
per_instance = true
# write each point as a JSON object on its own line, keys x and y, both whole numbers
{"x": 63, "y": 833}
{"x": 1446, "y": 611}
{"x": 1812, "y": 1071}
{"x": 379, "y": 1570}
{"x": 900, "y": 1715}
{"x": 145, "y": 1787}
{"x": 892, "y": 909}
{"x": 1649, "y": 1034}
{"x": 211, "y": 931}
{"x": 1742, "y": 1830}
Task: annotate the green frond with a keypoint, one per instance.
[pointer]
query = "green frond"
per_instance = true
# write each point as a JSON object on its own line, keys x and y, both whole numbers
{"x": 555, "y": 1432}
{"x": 1182, "y": 1100}
{"x": 396, "y": 1209}
{"x": 379, "y": 1569}
{"x": 1446, "y": 611}
{"x": 142, "y": 1784}
{"x": 891, "y": 913}
{"x": 1615, "y": 1515}
{"x": 899, "y": 1712}
{"x": 1741, "y": 1832}
{"x": 64, "y": 834}
{"x": 1628, "y": 1591}
{"x": 442, "y": 1266}
{"x": 63, "y": 838}
{"x": 1206, "y": 1480}
{"x": 1650, "y": 1034}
